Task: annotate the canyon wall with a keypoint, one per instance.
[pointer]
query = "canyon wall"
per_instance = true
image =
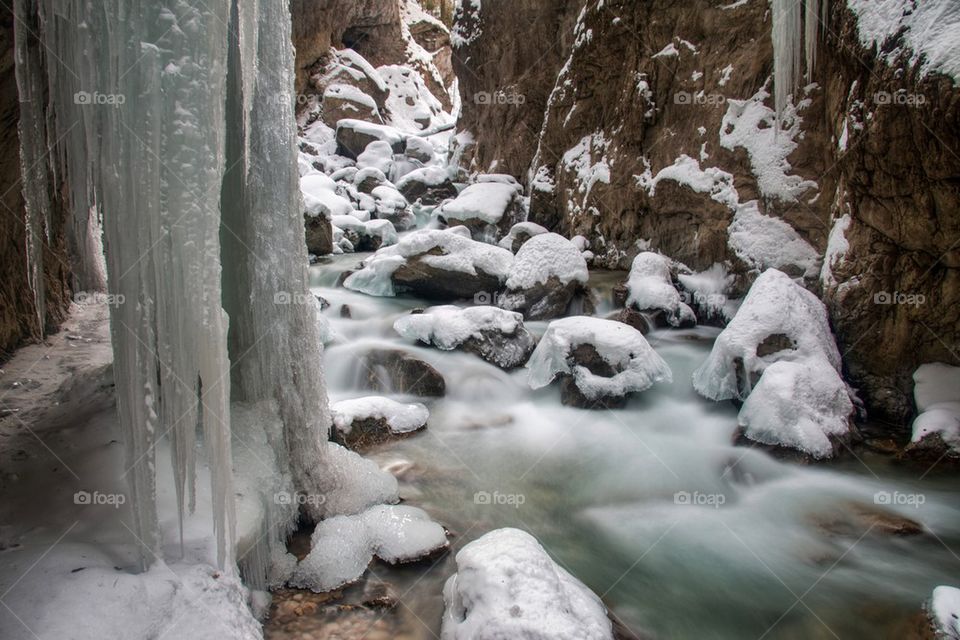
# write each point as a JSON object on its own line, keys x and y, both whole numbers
{"x": 651, "y": 126}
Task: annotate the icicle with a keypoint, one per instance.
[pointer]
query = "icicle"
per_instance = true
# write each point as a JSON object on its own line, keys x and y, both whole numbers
{"x": 795, "y": 25}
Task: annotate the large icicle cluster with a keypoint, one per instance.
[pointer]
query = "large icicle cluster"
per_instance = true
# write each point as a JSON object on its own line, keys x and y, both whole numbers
{"x": 176, "y": 122}
{"x": 796, "y": 26}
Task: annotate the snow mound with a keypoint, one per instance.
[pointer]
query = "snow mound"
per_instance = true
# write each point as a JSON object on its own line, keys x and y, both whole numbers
{"x": 945, "y": 611}
{"x": 453, "y": 252}
{"x": 342, "y": 547}
{"x": 430, "y": 176}
{"x": 798, "y": 405}
{"x": 544, "y": 256}
{"x": 774, "y": 306}
{"x": 401, "y": 418}
{"x": 485, "y": 201}
{"x": 621, "y": 346}
{"x": 765, "y": 242}
{"x": 506, "y": 586}
{"x": 448, "y": 326}
{"x": 780, "y": 335}
{"x": 320, "y": 196}
{"x": 650, "y": 287}
{"x": 521, "y": 230}
{"x": 937, "y": 394}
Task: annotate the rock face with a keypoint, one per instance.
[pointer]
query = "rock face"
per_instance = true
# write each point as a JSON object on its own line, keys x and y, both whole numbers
{"x": 19, "y": 320}
{"x": 640, "y": 123}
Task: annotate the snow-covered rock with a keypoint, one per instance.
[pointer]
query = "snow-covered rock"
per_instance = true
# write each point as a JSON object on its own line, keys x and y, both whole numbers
{"x": 506, "y": 586}
{"x": 434, "y": 264}
{"x": 547, "y": 279}
{"x": 357, "y": 483}
{"x": 936, "y": 430}
{"x": 353, "y": 137}
{"x": 600, "y": 362}
{"x": 320, "y": 196}
{"x": 342, "y": 547}
{"x": 520, "y": 233}
{"x": 487, "y": 208}
{"x": 496, "y": 335}
{"x": 377, "y": 155}
{"x": 361, "y": 422}
{"x": 428, "y": 185}
{"x": 781, "y": 329}
{"x": 366, "y": 236}
{"x": 345, "y": 101}
{"x": 944, "y": 612}
{"x": 650, "y": 289}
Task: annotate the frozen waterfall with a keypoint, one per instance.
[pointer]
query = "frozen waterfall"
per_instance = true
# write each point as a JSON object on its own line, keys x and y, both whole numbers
{"x": 796, "y": 26}
{"x": 173, "y": 119}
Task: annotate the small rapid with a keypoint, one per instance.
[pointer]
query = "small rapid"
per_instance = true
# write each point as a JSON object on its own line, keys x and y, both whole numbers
{"x": 683, "y": 534}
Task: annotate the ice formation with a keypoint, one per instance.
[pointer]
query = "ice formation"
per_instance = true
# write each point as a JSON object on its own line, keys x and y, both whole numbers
{"x": 620, "y": 345}
{"x": 796, "y": 28}
{"x": 650, "y": 287}
{"x": 506, "y": 586}
{"x": 400, "y": 418}
{"x": 937, "y": 394}
{"x": 342, "y": 547}
{"x": 191, "y": 158}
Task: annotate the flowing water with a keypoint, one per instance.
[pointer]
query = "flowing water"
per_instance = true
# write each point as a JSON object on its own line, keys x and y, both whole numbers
{"x": 681, "y": 533}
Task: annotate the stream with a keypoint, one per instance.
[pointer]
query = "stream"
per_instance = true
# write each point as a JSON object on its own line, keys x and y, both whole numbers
{"x": 682, "y": 534}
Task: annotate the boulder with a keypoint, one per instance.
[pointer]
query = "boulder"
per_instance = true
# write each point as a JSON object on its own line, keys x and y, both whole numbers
{"x": 650, "y": 289}
{"x": 319, "y": 234}
{"x": 428, "y": 185}
{"x": 353, "y": 136}
{"x": 396, "y": 371}
{"x": 519, "y": 234}
{"x": 441, "y": 265}
{"x": 493, "y": 334}
{"x": 345, "y": 102}
{"x": 598, "y": 362}
{"x": 488, "y": 208}
{"x": 547, "y": 280}
{"x": 360, "y": 423}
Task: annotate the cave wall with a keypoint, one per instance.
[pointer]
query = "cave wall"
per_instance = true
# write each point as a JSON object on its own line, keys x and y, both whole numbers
{"x": 591, "y": 76}
{"x": 19, "y": 321}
